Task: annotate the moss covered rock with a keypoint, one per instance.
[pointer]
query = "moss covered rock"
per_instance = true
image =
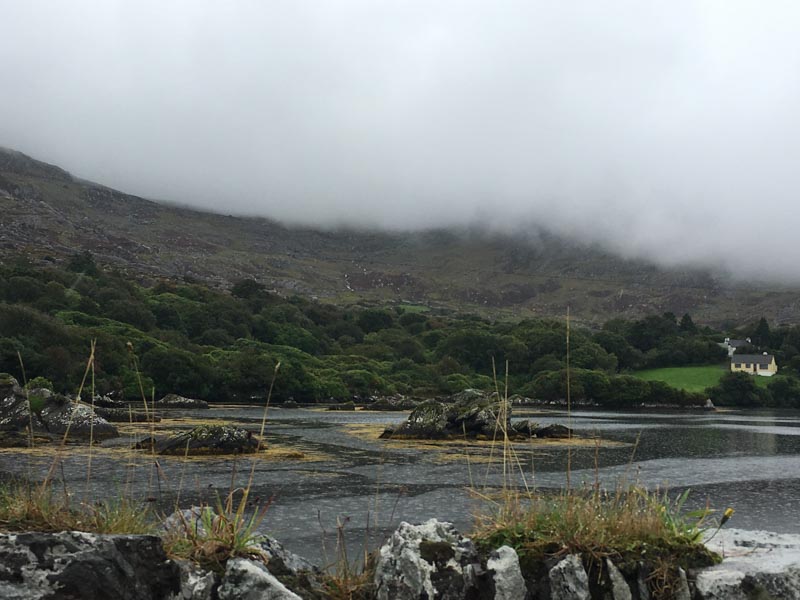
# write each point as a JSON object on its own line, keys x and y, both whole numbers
{"x": 50, "y": 413}
{"x": 472, "y": 416}
{"x": 210, "y": 439}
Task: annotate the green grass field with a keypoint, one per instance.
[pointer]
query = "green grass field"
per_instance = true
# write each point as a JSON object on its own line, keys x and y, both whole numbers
{"x": 692, "y": 379}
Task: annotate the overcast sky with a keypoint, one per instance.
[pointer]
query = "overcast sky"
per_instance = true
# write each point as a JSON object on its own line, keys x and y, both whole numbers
{"x": 667, "y": 129}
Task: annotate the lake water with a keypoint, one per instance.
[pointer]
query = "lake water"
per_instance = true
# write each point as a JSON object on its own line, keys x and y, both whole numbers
{"x": 747, "y": 460}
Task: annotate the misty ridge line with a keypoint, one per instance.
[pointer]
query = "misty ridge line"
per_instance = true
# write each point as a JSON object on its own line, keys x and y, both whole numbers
{"x": 665, "y": 133}
{"x": 533, "y": 237}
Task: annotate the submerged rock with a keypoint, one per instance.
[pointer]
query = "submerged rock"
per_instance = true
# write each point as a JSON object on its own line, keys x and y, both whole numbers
{"x": 343, "y": 406}
{"x": 210, "y": 439}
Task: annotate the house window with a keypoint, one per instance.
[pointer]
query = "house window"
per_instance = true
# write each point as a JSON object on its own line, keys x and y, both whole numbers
{"x": 737, "y": 365}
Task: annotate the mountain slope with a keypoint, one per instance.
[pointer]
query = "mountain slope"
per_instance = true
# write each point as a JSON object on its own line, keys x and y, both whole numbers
{"x": 48, "y": 214}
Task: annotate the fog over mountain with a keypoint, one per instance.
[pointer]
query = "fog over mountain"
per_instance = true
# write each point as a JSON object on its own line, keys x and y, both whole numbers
{"x": 665, "y": 130}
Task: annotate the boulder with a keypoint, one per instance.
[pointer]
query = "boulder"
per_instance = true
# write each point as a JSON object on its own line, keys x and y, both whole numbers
{"x": 187, "y": 521}
{"x": 292, "y": 570}
{"x": 525, "y": 428}
{"x": 431, "y": 560}
{"x": 23, "y": 439}
{"x": 108, "y": 402}
{"x": 756, "y": 564}
{"x": 554, "y": 431}
{"x": 430, "y": 420}
{"x": 9, "y": 386}
{"x": 209, "y": 439}
{"x": 248, "y": 580}
{"x": 568, "y": 580}
{"x": 69, "y": 565}
{"x": 507, "y": 575}
{"x": 176, "y": 401}
{"x": 619, "y": 588}
{"x": 389, "y": 403}
{"x": 196, "y": 583}
{"x": 467, "y": 395}
{"x": 473, "y": 417}
{"x": 125, "y": 415}
{"x": 50, "y": 413}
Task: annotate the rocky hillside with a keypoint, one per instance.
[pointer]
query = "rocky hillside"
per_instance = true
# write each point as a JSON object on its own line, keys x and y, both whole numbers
{"x": 48, "y": 214}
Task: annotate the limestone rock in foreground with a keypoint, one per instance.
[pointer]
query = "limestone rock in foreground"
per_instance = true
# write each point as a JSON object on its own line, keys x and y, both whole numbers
{"x": 431, "y": 560}
{"x": 248, "y": 580}
{"x": 69, "y": 565}
{"x": 568, "y": 580}
{"x": 508, "y": 581}
{"x": 756, "y": 564}
{"x": 210, "y": 439}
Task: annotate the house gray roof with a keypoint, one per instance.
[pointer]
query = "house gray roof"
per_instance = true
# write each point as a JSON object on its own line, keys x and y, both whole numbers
{"x": 760, "y": 359}
{"x": 737, "y": 343}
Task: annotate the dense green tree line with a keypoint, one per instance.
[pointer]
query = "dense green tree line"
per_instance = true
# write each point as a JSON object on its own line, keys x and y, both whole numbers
{"x": 224, "y": 344}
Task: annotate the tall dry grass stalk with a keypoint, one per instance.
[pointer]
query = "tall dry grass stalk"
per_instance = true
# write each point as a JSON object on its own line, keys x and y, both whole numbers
{"x": 589, "y": 521}
{"x": 225, "y": 530}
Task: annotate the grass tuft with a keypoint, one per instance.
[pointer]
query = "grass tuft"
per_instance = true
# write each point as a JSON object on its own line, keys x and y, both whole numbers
{"x": 29, "y": 507}
{"x": 217, "y": 535}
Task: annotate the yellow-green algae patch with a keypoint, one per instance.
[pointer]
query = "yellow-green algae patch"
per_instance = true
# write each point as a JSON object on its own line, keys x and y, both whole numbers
{"x": 476, "y": 450}
{"x": 271, "y": 452}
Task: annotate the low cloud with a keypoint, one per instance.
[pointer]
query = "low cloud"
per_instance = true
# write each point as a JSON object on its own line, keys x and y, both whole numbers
{"x": 663, "y": 130}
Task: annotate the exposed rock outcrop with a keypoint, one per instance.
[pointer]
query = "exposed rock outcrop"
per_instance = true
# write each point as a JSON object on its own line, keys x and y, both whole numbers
{"x": 209, "y": 439}
{"x": 48, "y": 413}
{"x": 389, "y": 403}
{"x": 471, "y": 414}
{"x": 125, "y": 415}
{"x": 176, "y": 401}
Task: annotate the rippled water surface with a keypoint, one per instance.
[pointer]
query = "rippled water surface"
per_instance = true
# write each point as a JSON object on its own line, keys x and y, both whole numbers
{"x": 750, "y": 461}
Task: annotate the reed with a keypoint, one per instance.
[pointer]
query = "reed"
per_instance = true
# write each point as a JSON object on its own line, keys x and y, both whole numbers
{"x": 625, "y": 523}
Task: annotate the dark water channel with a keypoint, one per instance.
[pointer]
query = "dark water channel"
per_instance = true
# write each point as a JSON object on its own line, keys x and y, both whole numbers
{"x": 747, "y": 460}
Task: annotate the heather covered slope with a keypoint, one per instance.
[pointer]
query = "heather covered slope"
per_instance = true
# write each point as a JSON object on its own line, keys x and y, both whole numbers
{"x": 49, "y": 214}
